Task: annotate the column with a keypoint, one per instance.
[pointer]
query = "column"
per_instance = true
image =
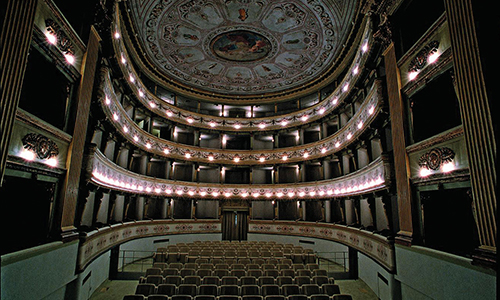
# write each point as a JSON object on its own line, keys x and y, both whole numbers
{"x": 66, "y": 210}
{"x": 15, "y": 38}
{"x": 476, "y": 118}
{"x": 401, "y": 160}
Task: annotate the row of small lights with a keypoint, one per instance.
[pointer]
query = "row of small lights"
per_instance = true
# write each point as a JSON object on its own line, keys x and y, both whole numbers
{"x": 262, "y": 125}
{"x": 180, "y": 192}
{"x": 236, "y": 159}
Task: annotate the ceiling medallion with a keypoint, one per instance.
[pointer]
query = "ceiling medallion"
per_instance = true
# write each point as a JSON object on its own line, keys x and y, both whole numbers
{"x": 241, "y": 47}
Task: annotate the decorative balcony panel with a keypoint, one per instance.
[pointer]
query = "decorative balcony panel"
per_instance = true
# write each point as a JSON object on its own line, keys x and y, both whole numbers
{"x": 426, "y": 57}
{"x": 367, "y": 112}
{"x": 95, "y": 243}
{"x": 439, "y": 159}
{"x": 53, "y": 33}
{"x": 189, "y": 118}
{"x": 104, "y": 173}
{"x": 373, "y": 245}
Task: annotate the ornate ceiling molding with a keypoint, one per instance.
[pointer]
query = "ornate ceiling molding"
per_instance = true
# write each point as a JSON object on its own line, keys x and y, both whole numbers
{"x": 300, "y": 117}
{"x": 137, "y": 136}
{"x": 103, "y": 172}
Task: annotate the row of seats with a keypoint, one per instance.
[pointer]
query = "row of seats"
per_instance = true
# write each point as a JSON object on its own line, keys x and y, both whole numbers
{"x": 231, "y": 297}
{"x": 233, "y": 280}
{"x": 283, "y": 265}
{"x": 286, "y": 290}
{"x": 228, "y": 257}
{"x": 204, "y": 272}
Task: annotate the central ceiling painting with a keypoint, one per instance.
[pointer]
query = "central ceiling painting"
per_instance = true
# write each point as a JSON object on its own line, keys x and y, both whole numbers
{"x": 242, "y": 47}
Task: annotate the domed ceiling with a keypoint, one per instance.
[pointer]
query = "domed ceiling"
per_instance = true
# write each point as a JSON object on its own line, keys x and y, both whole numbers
{"x": 242, "y": 47}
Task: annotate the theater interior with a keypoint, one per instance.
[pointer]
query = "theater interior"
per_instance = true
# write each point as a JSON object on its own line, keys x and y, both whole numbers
{"x": 248, "y": 149}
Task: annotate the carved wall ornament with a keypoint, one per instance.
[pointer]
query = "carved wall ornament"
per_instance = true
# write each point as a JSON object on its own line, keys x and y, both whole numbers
{"x": 42, "y": 146}
{"x": 420, "y": 60}
{"x": 63, "y": 42}
{"x": 434, "y": 158}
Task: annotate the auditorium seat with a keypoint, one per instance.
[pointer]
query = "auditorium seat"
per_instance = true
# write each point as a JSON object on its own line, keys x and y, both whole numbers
{"x": 170, "y": 271}
{"x": 303, "y": 272}
{"x": 212, "y": 280}
{"x": 248, "y": 280}
{"x": 173, "y": 279}
{"x": 166, "y": 289}
{"x": 208, "y": 289}
{"x": 160, "y": 265}
{"x": 290, "y": 289}
{"x": 273, "y": 273}
{"x": 281, "y": 280}
{"x": 187, "y": 272}
{"x": 297, "y": 297}
{"x": 252, "y": 266}
{"x": 320, "y": 280}
{"x": 244, "y": 261}
{"x": 154, "y": 279}
{"x": 301, "y": 280}
{"x": 192, "y": 280}
{"x": 250, "y": 290}
{"x": 203, "y": 273}
{"x": 311, "y": 289}
{"x": 238, "y": 273}
{"x": 221, "y": 273}
{"x": 269, "y": 289}
{"x": 330, "y": 289}
{"x": 312, "y": 266}
{"x": 187, "y": 289}
{"x": 145, "y": 289}
{"x": 262, "y": 280}
{"x": 229, "y": 280}
{"x": 222, "y": 266}
{"x": 229, "y": 290}
{"x": 287, "y": 272}
{"x": 254, "y": 273}
{"x": 283, "y": 266}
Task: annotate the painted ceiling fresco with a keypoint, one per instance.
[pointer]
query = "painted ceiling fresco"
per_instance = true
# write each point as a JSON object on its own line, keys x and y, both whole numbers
{"x": 242, "y": 47}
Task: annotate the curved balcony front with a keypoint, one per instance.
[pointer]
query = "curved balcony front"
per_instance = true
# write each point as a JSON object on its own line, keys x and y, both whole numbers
{"x": 366, "y": 114}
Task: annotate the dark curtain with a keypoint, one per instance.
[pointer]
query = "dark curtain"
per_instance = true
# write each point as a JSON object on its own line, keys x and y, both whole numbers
{"x": 235, "y": 225}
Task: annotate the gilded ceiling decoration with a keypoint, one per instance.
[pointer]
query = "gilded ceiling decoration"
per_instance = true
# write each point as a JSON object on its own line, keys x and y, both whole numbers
{"x": 242, "y": 47}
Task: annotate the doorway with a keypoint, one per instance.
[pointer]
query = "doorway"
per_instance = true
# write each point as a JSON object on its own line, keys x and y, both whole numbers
{"x": 234, "y": 224}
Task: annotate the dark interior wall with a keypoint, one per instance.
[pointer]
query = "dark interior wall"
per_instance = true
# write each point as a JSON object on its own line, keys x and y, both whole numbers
{"x": 448, "y": 220}
{"x": 25, "y": 213}
{"x": 288, "y": 210}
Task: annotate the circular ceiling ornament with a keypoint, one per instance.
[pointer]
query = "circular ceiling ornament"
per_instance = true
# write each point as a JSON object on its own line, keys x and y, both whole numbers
{"x": 242, "y": 47}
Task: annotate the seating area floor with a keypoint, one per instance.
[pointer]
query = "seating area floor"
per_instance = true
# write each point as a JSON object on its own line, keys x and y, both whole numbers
{"x": 116, "y": 289}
